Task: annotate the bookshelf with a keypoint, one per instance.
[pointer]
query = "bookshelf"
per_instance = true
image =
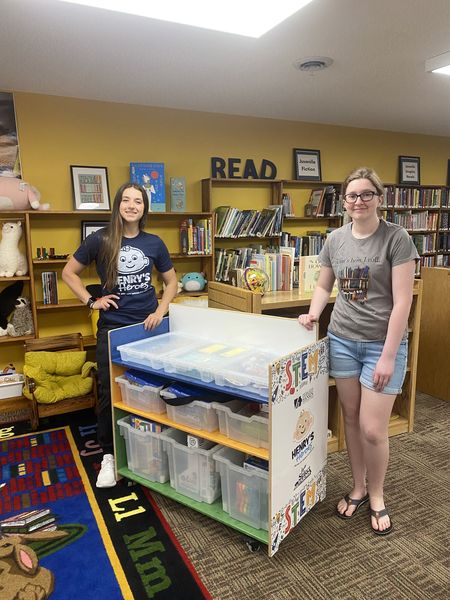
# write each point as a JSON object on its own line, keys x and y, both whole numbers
{"x": 424, "y": 212}
{"x": 62, "y": 230}
{"x": 258, "y": 195}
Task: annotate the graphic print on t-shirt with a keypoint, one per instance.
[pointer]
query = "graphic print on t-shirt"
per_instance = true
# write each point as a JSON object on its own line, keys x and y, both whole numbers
{"x": 130, "y": 279}
{"x": 354, "y": 283}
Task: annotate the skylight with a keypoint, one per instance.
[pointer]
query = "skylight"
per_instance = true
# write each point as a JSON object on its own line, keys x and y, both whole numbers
{"x": 251, "y": 18}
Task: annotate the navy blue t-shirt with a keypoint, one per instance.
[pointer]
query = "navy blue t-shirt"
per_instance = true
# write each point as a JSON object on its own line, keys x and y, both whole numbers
{"x": 138, "y": 255}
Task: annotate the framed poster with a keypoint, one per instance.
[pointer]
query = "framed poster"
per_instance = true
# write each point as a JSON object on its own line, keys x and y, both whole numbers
{"x": 9, "y": 145}
{"x": 307, "y": 165}
{"x": 90, "y": 187}
{"x": 88, "y": 227}
{"x": 409, "y": 170}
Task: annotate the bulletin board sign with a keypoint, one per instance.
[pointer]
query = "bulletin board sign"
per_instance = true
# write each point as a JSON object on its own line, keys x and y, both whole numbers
{"x": 299, "y": 425}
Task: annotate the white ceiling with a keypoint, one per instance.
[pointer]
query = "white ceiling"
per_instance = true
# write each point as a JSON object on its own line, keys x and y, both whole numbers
{"x": 378, "y": 78}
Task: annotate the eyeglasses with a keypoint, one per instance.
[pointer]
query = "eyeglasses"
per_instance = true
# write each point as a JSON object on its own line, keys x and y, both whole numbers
{"x": 365, "y": 197}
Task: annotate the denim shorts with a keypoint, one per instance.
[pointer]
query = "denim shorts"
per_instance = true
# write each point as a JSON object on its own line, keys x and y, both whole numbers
{"x": 357, "y": 358}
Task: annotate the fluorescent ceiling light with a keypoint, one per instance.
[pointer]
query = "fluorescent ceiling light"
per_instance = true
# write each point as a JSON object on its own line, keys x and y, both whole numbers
{"x": 439, "y": 64}
{"x": 252, "y": 18}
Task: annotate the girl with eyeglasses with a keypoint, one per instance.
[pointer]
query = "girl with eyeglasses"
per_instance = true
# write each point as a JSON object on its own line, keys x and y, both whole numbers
{"x": 374, "y": 263}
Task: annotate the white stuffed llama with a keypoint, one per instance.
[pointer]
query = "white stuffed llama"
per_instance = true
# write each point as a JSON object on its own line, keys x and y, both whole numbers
{"x": 12, "y": 261}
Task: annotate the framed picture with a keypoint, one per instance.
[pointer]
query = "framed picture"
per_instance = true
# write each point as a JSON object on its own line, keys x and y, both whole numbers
{"x": 409, "y": 170}
{"x": 9, "y": 145}
{"x": 90, "y": 188}
{"x": 88, "y": 227}
{"x": 307, "y": 165}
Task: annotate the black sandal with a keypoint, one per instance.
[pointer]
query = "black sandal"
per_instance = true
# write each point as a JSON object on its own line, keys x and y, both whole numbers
{"x": 357, "y": 502}
{"x": 377, "y": 514}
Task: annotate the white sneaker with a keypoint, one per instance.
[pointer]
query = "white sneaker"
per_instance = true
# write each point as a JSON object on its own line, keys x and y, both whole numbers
{"x": 107, "y": 476}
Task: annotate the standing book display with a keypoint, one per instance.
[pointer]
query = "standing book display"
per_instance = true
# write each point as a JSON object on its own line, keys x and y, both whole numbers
{"x": 219, "y": 352}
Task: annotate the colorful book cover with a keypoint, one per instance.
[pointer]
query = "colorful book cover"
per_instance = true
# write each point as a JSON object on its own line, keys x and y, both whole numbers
{"x": 177, "y": 194}
{"x": 151, "y": 176}
{"x": 309, "y": 273}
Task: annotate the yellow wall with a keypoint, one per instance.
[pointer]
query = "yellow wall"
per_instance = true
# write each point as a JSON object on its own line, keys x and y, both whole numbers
{"x": 56, "y": 132}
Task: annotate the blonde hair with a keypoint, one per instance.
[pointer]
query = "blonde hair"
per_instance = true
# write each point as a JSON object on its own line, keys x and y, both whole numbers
{"x": 364, "y": 173}
{"x": 112, "y": 235}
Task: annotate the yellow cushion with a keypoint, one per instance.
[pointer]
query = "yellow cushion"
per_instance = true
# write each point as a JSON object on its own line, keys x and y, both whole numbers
{"x": 58, "y": 375}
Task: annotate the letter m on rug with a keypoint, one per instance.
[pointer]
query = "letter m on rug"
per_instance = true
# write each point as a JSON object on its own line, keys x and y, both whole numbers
{"x": 152, "y": 572}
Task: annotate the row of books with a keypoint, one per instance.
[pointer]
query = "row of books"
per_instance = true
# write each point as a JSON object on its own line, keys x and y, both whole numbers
{"x": 444, "y": 224}
{"x": 50, "y": 287}
{"x": 305, "y": 245}
{"x": 415, "y": 221}
{"x": 231, "y": 222}
{"x": 443, "y": 260}
{"x": 28, "y": 521}
{"x": 424, "y": 242}
{"x": 283, "y": 270}
{"x": 196, "y": 236}
{"x": 414, "y": 197}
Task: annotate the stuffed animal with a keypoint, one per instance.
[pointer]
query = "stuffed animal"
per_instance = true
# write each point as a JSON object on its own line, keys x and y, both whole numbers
{"x": 16, "y": 194}
{"x": 8, "y": 298}
{"x": 21, "y": 321}
{"x": 193, "y": 282}
{"x": 12, "y": 261}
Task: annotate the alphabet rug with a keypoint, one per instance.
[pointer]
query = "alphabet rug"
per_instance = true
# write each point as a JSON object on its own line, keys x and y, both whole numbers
{"x": 64, "y": 539}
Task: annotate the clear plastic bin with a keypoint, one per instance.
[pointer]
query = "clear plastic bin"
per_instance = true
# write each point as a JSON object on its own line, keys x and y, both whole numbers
{"x": 152, "y": 351}
{"x": 249, "y": 372}
{"x": 145, "y": 452}
{"x": 198, "y": 414}
{"x": 144, "y": 397}
{"x": 245, "y": 492}
{"x": 192, "y": 470}
{"x": 239, "y": 422}
{"x": 203, "y": 359}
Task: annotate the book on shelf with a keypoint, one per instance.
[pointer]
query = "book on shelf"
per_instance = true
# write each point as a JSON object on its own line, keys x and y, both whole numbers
{"x": 315, "y": 200}
{"x": 309, "y": 269}
{"x": 49, "y": 287}
{"x": 150, "y": 175}
{"x": 178, "y": 194}
{"x": 195, "y": 236}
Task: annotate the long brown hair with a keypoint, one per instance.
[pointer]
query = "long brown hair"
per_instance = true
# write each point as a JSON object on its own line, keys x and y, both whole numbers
{"x": 112, "y": 235}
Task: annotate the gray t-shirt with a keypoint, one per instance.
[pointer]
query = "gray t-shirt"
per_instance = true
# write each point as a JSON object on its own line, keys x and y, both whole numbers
{"x": 363, "y": 271}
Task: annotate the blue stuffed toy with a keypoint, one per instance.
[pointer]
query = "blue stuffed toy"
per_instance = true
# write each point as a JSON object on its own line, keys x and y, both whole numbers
{"x": 193, "y": 282}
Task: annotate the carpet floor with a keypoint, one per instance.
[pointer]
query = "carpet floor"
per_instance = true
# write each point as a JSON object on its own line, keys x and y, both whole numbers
{"x": 328, "y": 558}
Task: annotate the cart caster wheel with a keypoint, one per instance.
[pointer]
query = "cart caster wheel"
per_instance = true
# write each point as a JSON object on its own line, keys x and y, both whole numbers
{"x": 127, "y": 483}
{"x": 252, "y": 545}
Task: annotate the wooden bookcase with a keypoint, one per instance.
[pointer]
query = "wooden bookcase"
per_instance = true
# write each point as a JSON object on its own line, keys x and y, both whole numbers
{"x": 258, "y": 194}
{"x": 424, "y": 212}
{"x": 62, "y": 230}
{"x": 433, "y": 373}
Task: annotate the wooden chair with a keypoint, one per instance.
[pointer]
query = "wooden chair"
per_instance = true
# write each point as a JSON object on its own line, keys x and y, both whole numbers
{"x": 61, "y": 343}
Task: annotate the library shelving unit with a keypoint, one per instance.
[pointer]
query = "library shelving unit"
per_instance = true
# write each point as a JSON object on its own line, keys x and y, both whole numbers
{"x": 61, "y": 230}
{"x": 263, "y": 506}
{"x": 260, "y": 193}
{"x": 423, "y": 211}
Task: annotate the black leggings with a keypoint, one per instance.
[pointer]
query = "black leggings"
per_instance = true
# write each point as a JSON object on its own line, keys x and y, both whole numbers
{"x": 104, "y": 418}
